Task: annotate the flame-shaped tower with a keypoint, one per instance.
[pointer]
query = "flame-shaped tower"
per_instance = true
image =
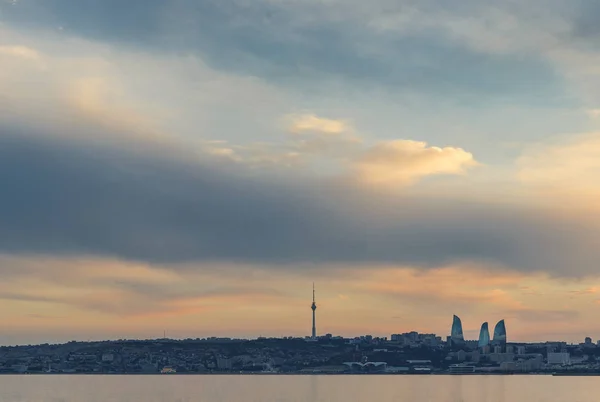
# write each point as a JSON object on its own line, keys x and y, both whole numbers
{"x": 314, "y": 308}
{"x": 499, "y": 334}
{"x": 484, "y": 335}
{"x": 456, "y": 335}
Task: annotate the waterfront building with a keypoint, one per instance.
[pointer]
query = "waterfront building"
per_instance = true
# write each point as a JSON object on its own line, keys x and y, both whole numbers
{"x": 397, "y": 338}
{"x": 563, "y": 358}
{"x": 499, "y": 334}
{"x": 501, "y": 357}
{"x": 484, "y": 336}
{"x": 456, "y": 334}
{"x": 461, "y": 369}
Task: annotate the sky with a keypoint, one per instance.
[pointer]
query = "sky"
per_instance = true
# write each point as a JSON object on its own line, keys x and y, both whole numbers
{"x": 193, "y": 166}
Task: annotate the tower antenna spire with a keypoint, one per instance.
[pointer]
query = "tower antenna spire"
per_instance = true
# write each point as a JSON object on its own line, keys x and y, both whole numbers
{"x": 314, "y": 323}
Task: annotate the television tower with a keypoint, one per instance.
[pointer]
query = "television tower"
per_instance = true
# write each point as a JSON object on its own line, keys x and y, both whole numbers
{"x": 314, "y": 308}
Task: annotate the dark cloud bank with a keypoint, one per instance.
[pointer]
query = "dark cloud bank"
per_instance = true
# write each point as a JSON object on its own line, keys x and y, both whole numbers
{"x": 305, "y": 44}
{"x": 74, "y": 197}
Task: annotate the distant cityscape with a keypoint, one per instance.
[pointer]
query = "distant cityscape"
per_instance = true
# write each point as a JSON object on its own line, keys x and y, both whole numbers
{"x": 406, "y": 353}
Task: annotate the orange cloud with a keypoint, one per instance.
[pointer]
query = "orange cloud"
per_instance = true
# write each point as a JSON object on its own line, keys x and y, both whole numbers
{"x": 311, "y": 123}
{"x": 23, "y": 52}
{"x": 404, "y": 161}
{"x": 79, "y": 295}
{"x": 567, "y": 164}
{"x": 584, "y": 292}
{"x": 452, "y": 284}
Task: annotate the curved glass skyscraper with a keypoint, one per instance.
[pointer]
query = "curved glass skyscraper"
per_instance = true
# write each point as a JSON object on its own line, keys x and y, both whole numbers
{"x": 456, "y": 335}
{"x": 499, "y": 334}
{"x": 484, "y": 335}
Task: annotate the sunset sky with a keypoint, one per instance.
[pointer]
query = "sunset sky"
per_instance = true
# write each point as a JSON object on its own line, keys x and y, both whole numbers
{"x": 194, "y": 165}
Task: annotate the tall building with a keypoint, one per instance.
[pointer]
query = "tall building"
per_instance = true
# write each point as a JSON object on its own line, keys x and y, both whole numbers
{"x": 484, "y": 336}
{"x": 314, "y": 309}
{"x": 456, "y": 335}
{"x": 499, "y": 334}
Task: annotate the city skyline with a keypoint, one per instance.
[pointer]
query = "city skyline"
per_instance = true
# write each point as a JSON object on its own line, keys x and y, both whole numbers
{"x": 455, "y": 338}
{"x": 198, "y": 169}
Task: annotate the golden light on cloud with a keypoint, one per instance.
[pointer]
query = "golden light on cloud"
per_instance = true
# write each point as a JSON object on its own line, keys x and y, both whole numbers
{"x": 23, "y": 52}
{"x": 75, "y": 89}
{"x": 101, "y": 97}
{"x": 453, "y": 284}
{"x": 569, "y": 164}
{"x": 593, "y": 113}
{"x": 312, "y": 123}
{"x": 74, "y": 295}
{"x": 403, "y": 161}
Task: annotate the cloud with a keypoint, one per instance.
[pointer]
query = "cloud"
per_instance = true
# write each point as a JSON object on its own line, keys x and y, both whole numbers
{"x": 583, "y": 24}
{"x": 594, "y": 113}
{"x": 403, "y": 161}
{"x": 123, "y": 205}
{"x": 175, "y": 203}
{"x": 121, "y": 289}
{"x": 90, "y": 89}
{"x": 62, "y": 89}
{"x": 79, "y": 197}
{"x": 584, "y": 292}
{"x": 546, "y": 316}
{"x": 312, "y": 123}
{"x": 317, "y": 45}
{"x": 20, "y": 51}
{"x": 446, "y": 286}
{"x": 565, "y": 164}
{"x": 335, "y": 144}
{"x": 93, "y": 180}
{"x": 87, "y": 294}
{"x": 109, "y": 172}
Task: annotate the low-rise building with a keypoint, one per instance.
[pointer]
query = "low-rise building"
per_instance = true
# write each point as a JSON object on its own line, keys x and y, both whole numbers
{"x": 561, "y": 358}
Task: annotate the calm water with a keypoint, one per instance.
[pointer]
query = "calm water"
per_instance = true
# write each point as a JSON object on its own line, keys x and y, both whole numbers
{"x": 299, "y": 388}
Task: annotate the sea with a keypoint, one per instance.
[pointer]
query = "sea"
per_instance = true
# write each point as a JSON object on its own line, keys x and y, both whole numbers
{"x": 304, "y": 388}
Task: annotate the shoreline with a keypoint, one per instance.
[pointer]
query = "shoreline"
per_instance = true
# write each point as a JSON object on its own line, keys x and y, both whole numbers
{"x": 555, "y": 374}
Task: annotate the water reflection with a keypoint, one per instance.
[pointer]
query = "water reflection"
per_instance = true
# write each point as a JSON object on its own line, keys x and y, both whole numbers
{"x": 313, "y": 394}
{"x": 456, "y": 389}
{"x": 496, "y": 389}
{"x": 260, "y": 388}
